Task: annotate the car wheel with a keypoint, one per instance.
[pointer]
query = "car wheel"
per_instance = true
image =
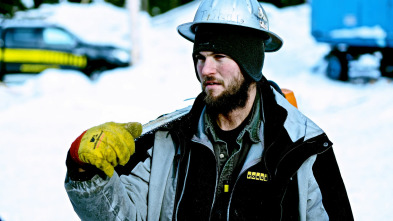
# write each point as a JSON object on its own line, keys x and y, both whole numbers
{"x": 337, "y": 68}
{"x": 386, "y": 65}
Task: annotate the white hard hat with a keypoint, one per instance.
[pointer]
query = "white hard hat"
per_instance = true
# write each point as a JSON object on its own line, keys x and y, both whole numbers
{"x": 245, "y": 13}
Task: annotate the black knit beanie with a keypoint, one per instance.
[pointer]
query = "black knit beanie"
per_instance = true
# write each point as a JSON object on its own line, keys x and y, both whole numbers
{"x": 244, "y": 45}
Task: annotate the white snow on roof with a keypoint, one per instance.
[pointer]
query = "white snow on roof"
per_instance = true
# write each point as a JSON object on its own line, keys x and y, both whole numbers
{"x": 364, "y": 32}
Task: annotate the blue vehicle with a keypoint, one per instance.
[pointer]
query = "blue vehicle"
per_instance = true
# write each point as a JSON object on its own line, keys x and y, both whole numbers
{"x": 354, "y": 28}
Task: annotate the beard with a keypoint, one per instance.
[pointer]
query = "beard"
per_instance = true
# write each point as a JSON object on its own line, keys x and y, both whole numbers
{"x": 235, "y": 96}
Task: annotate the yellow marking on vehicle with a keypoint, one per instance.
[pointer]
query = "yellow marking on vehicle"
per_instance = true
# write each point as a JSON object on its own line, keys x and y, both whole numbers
{"x": 11, "y": 55}
{"x": 36, "y": 67}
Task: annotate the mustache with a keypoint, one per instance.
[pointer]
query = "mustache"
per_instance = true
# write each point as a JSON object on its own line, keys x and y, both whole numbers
{"x": 209, "y": 79}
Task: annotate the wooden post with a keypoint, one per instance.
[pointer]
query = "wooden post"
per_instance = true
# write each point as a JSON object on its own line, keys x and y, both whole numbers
{"x": 133, "y": 7}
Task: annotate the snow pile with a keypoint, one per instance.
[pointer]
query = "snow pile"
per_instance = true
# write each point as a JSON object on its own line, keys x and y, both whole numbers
{"x": 367, "y": 65}
{"x": 376, "y": 32}
{"x": 41, "y": 117}
{"x": 365, "y": 32}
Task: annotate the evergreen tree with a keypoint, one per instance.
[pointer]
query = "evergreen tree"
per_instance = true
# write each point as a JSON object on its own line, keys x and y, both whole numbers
{"x": 9, "y": 7}
{"x": 37, "y": 3}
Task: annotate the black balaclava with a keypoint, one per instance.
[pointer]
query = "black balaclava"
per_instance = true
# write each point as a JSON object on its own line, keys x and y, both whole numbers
{"x": 244, "y": 45}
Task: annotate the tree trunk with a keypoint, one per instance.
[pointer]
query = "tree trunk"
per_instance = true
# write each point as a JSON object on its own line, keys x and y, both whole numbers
{"x": 134, "y": 7}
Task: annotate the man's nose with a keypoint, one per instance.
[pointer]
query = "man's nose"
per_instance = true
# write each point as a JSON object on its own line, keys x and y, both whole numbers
{"x": 209, "y": 67}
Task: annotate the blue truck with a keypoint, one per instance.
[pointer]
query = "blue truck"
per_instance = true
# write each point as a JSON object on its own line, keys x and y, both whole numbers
{"x": 354, "y": 28}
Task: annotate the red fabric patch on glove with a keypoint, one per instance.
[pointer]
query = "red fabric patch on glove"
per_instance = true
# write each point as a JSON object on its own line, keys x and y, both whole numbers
{"x": 75, "y": 147}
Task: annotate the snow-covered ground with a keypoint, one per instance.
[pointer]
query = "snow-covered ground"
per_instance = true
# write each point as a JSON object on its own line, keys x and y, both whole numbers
{"x": 42, "y": 116}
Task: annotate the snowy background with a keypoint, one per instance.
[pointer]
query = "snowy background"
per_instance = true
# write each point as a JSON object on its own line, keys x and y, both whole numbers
{"x": 40, "y": 117}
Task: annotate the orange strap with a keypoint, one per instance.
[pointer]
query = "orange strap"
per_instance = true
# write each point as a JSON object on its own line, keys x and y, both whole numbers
{"x": 290, "y": 96}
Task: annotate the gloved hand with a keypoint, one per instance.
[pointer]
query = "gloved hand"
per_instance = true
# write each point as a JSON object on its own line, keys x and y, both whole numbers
{"x": 107, "y": 145}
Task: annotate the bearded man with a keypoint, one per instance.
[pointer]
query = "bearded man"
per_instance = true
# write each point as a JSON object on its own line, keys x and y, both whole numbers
{"x": 242, "y": 152}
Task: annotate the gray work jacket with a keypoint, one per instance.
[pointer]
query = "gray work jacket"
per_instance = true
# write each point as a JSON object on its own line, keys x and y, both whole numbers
{"x": 148, "y": 193}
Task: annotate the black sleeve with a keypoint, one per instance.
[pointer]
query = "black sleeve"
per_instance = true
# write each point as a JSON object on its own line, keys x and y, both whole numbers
{"x": 75, "y": 175}
{"x": 142, "y": 144}
{"x": 334, "y": 194}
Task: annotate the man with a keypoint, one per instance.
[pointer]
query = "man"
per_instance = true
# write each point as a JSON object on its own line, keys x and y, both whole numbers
{"x": 241, "y": 153}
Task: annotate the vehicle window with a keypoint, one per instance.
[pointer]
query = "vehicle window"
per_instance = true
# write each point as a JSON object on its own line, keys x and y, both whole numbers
{"x": 57, "y": 37}
{"x": 22, "y": 37}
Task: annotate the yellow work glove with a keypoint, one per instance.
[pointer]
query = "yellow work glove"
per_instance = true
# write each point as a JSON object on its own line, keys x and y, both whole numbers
{"x": 106, "y": 146}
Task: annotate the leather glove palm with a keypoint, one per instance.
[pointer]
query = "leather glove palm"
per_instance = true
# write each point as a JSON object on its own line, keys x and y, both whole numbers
{"x": 106, "y": 146}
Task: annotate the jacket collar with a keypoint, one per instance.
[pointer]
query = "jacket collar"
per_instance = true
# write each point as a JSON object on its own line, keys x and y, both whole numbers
{"x": 273, "y": 115}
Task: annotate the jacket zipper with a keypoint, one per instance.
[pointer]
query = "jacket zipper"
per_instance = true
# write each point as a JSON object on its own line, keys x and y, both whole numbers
{"x": 184, "y": 185}
{"x": 215, "y": 186}
{"x": 185, "y": 180}
{"x": 215, "y": 189}
{"x": 237, "y": 179}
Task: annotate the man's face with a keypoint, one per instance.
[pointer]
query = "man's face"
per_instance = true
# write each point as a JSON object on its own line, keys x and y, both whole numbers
{"x": 222, "y": 81}
{"x": 218, "y": 73}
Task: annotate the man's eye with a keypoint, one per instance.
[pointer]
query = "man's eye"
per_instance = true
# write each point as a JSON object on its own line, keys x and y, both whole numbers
{"x": 199, "y": 57}
{"x": 218, "y": 56}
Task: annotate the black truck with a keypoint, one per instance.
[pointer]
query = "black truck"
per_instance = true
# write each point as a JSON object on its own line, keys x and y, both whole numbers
{"x": 33, "y": 46}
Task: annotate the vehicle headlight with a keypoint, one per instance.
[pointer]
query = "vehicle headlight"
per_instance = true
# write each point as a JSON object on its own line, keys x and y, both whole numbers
{"x": 122, "y": 55}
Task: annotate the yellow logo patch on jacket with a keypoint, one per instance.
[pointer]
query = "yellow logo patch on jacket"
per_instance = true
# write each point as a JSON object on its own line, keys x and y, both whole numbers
{"x": 257, "y": 176}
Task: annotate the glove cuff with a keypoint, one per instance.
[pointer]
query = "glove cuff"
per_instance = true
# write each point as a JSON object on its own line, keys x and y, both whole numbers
{"x": 75, "y": 148}
{"x": 75, "y": 175}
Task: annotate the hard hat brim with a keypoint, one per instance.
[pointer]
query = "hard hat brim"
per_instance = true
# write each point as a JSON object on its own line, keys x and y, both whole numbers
{"x": 187, "y": 31}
